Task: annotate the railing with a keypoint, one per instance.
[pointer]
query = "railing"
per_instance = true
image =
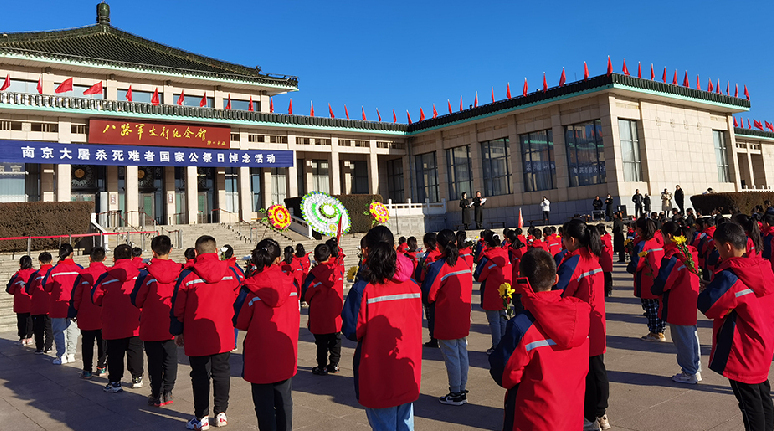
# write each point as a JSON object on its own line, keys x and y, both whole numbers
{"x": 224, "y": 216}
{"x": 416, "y": 209}
{"x": 111, "y": 219}
{"x": 177, "y": 218}
{"x": 300, "y": 226}
{"x": 70, "y": 237}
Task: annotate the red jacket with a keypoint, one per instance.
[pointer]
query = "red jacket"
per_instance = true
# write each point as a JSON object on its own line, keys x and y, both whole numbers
{"x": 451, "y": 289}
{"x": 305, "y": 264}
{"x": 677, "y": 286}
{"x": 39, "y": 298}
{"x": 295, "y": 270}
{"x": 543, "y": 362}
{"x": 538, "y": 243}
{"x": 739, "y": 300}
{"x": 606, "y": 258}
{"x": 645, "y": 269}
{"x": 388, "y": 358}
{"x": 516, "y": 255}
{"x": 581, "y": 276}
{"x": 324, "y": 291}
{"x": 706, "y": 245}
{"x": 152, "y": 294}
{"x": 493, "y": 270}
{"x": 402, "y": 248}
{"x": 59, "y": 285}
{"x": 139, "y": 262}
{"x": 120, "y": 319}
{"x": 270, "y": 315}
{"x": 554, "y": 244}
{"x": 203, "y": 302}
{"x": 89, "y": 315}
{"x": 467, "y": 255}
{"x": 22, "y": 301}
{"x": 430, "y": 257}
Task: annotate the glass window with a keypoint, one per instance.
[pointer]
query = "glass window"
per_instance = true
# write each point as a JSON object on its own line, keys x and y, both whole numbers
{"x": 13, "y": 182}
{"x": 395, "y": 180}
{"x": 320, "y": 178}
{"x": 721, "y": 155}
{"x": 360, "y": 177}
{"x": 146, "y": 96}
{"x": 255, "y": 188}
{"x": 630, "y": 150}
{"x": 427, "y": 177}
{"x": 232, "y": 190}
{"x": 301, "y": 176}
{"x": 279, "y": 184}
{"x": 23, "y": 86}
{"x": 188, "y": 99}
{"x": 537, "y": 155}
{"x": 496, "y": 159}
{"x": 460, "y": 173}
{"x": 585, "y": 153}
{"x": 242, "y": 105}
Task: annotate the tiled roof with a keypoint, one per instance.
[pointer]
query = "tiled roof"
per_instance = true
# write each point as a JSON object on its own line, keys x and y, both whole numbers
{"x": 753, "y": 133}
{"x": 105, "y": 44}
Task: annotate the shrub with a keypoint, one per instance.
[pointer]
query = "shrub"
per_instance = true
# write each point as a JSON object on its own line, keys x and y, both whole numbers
{"x": 356, "y": 205}
{"x": 728, "y": 201}
{"x": 42, "y": 219}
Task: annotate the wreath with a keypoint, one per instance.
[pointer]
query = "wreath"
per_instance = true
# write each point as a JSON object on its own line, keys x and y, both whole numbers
{"x": 379, "y": 212}
{"x": 279, "y": 217}
{"x": 322, "y": 211}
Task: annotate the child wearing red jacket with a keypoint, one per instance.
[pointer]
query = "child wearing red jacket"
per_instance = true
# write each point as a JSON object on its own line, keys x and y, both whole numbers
{"x": 606, "y": 258}
{"x": 466, "y": 254}
{"x": 59, "y": 284}
{"x": 269, "y": 313}
{"x": 120, "y": 319}
{"x": 293, "y": 268}
{"x": 739, "y": 300}
{"x": 201, "y": 318}
{"x": 21, "y": 300}
{"x": 89, "y": 316}
{"x": 431, "y": 255}
{"x": 41, "y": 321}
{"x": 542, "y": 359}
{"x": 137, "y": 259}
{"x": 153, "y": 295}
{"x": 678, "y": 285}
{"x": 645, "y": 264}
{"x": 493, "y": 270}
{"x": 324, "y": 291}
{"x": 449, "y": 286}
{"x": 302, "y": 257}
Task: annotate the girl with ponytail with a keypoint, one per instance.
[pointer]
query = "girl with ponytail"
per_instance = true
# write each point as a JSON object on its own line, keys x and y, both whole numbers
{"x": 645, "y": 265}
{"x": 580, "y": 275}
{"x": 753, "y": 232}
{"x": 465, "y": 252}
{"x": 493, "y": 269}
{"x": 59, "y": 285}
{"x": 293, "y": 268}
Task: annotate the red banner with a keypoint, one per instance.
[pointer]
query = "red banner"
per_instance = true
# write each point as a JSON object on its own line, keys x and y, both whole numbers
{"x": 158, "y": 134}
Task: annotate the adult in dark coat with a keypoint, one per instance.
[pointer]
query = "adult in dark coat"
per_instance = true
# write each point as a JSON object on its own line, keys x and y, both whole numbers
{"x": 637, "y": 199}
{"x": 478, "y": 211}
{"x": 465, "y": 206}
{"x": 646, "y": 204}
{"x": 608, "y": 207}
{"x": 679, "y": 198}
{"x": 597, "y": 204}
{"x": 619, "y": 236}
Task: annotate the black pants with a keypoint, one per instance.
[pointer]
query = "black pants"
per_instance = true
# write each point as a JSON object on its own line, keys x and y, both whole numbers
{"x": 755, "y": 404}
{"x": 87, "y": 349}
{"x": 162, "y": 365}
{"x": 545, "y": 217}
{"x": 637, "y": 210}
{"x": 24, "y": 325}
{"x": 116, "y": 349}
{"x": 202, "y": 368}
{"x": 608, "y": 283}
{"x": 430, "y": 316}
{"x": 479, "y": 215}
{"x": 44, "y": 335}
{"x": 597, "y": 389}
{"x": 328, "y": 343}
{"x": 274, "y": 405}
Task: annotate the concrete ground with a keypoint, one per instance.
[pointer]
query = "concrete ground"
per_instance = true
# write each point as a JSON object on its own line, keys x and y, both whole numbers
{"x": 38, "y": 395}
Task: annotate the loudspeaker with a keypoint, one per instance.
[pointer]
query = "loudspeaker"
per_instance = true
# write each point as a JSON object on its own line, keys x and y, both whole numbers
{"x": 622, "y": 210}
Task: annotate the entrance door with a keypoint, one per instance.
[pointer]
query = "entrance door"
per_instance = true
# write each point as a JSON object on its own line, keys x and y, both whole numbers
{"x": 147, "y": 208}
{"x": 205, "y": 211}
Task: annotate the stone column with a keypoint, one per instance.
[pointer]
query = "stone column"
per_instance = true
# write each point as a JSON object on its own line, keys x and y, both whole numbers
{"x": 245, "y": 194}
{"x": 373, "y": 168}
{"x": 63, "y": 183}
{"x": 560, "y": 155}
{"x": 47, "y": 183}
{"x": 407, "y": 175}
{"x": 132, "y": 196}
{"x": 192, "y": 194}
{"x": 292, "y": 177}
{"x": 112, "y": 187}
{"x": 733, "y": 158}
{"x": 266, "y": 185}
{"x": 220, "y": 203}
{"x": 334, "y": 173}
{"x": 346, "y": 176}
{"x": 169, "y": 193}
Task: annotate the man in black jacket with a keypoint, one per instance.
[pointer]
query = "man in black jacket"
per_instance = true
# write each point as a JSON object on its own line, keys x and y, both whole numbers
{"x": 608, "y": 207}
{"x": 679, "y": 198}
{"x": 637, "y": 199}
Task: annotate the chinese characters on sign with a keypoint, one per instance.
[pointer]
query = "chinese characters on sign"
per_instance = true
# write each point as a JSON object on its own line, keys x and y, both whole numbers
{"x": 163, "y": 135}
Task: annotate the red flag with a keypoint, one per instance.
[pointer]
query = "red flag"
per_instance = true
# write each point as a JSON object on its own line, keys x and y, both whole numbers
{"x": 65, "y": 86}
{"x": 378, "y": 114}
{"x": 460, "y": 103}
{"x": 203, "y": 102}
{"x": 435, "y": 113}
{"x": 585, "y": 72}
{"x": 330, "y": 111}
{"x": 129, "y": 94}
{"x": 710, "y": 87}
{"x": 663, "y": 77}
{"x": 698, "y": 83}
{"x": 609, "y": 66}
{"x": 769, "y": 126}
{"x": 394, "y": 118}
{"x": 520, "y": 225}
{"x": 338, "y": 229}
{"x": 625, "y": 69}
{"x": 290, "y": 107}
{"x": 493, "y": 101}
{"x": 652, "y": 73}
{"x": 545, "y": 84}
{"x": 271, "y": 105}
{"x": 758, "y": 124}
{"x": 718, "y": 89}
{"x": 748, "y": 124}
{"x": 525, "y": 86}
{"x": 421, "y": 115}
{"x": 94, "y": 89}
{"x": 449, "y": 103}
{"x": 562, "y": 79}
{"x": 746, "y": 93}
{"x": 735, "y": 123}
{"x": 408, "y": 114}
{"x": 155, "y": 98}
{"x": 181, "y": 98}
{"x": 475, "y": 101}
{"x": 346, "y": 112}
{"x": 311, "y": 109}
{"x": 674, "y": 78}
{"x": 685, "y": 80}
{"x": 228, "y": 104}
{"x": 40, "y": 86}
{"x": 7, "y": 82}
{"x": 639, "y": 70}
{"x": 508, "y": 91}
{"x": 363, "y": 109}
{"x": 736, "y": 90}
{"x": 728, "y": 88}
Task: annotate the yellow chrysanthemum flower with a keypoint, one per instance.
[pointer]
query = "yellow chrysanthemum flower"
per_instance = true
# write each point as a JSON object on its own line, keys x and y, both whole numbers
{"x": 679, "y": 240}
{"x": 643, "y": 253}
{"x": 506, "y": 291}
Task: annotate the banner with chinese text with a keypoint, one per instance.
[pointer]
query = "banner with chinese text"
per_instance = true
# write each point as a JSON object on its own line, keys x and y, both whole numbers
{"x": 157, "y": 134}
{"x": 126, "y": 155}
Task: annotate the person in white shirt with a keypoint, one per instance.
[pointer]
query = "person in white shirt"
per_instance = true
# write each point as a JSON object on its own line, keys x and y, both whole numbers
{"x": 545, "y": 206}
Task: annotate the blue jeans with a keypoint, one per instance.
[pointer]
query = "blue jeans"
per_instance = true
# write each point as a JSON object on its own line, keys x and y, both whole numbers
{"x": 455, "y": 354}
{"x": 496, "y": 319}
{"x": 686, "y": 339}
{"x": 65, "y": 336}
{"x": 399, "y": 418}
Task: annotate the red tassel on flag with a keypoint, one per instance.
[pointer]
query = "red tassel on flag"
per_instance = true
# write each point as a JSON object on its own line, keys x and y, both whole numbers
{"x": 710, "y": 87}
{"x": 228, "y": 103}
{"x": 609, "y": 66}
{"x": 363, "y": 112}
{"x": 685, "y": 80}
{"x": 408, "y": 114}
{"x": 7, "y": 82}
{"x": 378, "y": 114}
{"x": 290, "y": 107}
{"x": 311, "y": 109}
{"x": 394, "y": 118}
{"x": 155, "y": 98}
{"x": 562, "y": 79}
{"x": 545, "y": 84}
{"x": 508, "y": 90}
{"x": 663, "y": 77}
{"x": 746, "y": 93}
{"x": 251, "y": 108}
{"x": 736, "y": 90}
{"x": 330, "y": 111}
{"x": 203, "y": 102}
{"x": 67, "y": 85}
{"x": 94, "y": 89}
{"x": 674, "y": 78}
{"x": 40, "y": 87}
{"x": 625, "y": 69}
{"x": 639, "y": 70}
{"x": 493, "y": 100}
{"x": 585, "y": 72}
{"x": 421, "y": 115}
{"x": 449, "y": 103}
{"x": 346, "y": 112}
{"x": 181, "y": 98}
{"x": 525, "y": 87}
{"x": 435, "y": 113}
{"x": 735, "y": 123}
{"x": 475, "y": 102}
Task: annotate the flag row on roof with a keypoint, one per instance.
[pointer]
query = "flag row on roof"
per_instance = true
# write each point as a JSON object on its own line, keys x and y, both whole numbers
{"x": 755, "y": 123}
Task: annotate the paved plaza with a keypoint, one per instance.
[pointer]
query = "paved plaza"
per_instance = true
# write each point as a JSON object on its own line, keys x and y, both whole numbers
{"x": 37, "y": 395}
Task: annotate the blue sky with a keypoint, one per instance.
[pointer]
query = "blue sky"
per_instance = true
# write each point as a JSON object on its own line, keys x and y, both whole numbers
{"x": 412, "y": 54}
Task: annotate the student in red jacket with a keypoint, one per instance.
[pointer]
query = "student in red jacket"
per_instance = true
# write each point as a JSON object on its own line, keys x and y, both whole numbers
{"x": 678, "y": 285}
{"x": 324, "y": 291}
{"x": 39, "y": 306}
{"x": 89, "y": 316}
{"x": 402, "y": 245}
{"x": 754, "y": 237}
{"x": 706, "y": 246}
{"x": 59, "y": 285}
{"x": 190, "y": 258}
{"x": 293, "y": 268}
{"x": 411, "y": 252}
{"x": 431, "y": 255}
{"x": 554, "y": 242}
{"x": 541, "y": 360}
{"x": 21, "y": 300}
{"x": 202, "y": 309}
{"x": 580, "y": 275}
{"x": 388, "y": 359}
{"x": 302, "y": 257}
{"x": 137, "y": 259}
{"x": 767, "y": 233}
{"x": 493, "y": 270}
{"x": 269, "y": 313}
{"x": 449, "y": 286}
{"x": 120, "y": 319}
{"x": 739, "y": 301}
{"x": 606, "y": 258}
{"x": 466, "y": 254}
{"x": 645, "y": 264}
{"x": 152, "y": 294}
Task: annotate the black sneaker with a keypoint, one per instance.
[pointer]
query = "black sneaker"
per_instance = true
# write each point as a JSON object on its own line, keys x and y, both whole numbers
{"x": 464, "y": 396}
{"x": 432, "y": 343}
{"x": 154, "y": 401}
{"x": 319, "y": 371}
{"x": 113, "y": 387}
{"x": 453, "y": 399}
{"x": 137, "y": 382}
{"x": 39, "y": 352}
{"x": 166, "y": 399}
{"x": 332, "y": 369}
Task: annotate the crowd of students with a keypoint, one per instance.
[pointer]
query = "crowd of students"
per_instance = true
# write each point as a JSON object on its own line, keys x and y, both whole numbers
{"x": 549, "y": 355}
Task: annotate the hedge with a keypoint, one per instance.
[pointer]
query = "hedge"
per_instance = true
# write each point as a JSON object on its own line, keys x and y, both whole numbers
{"x": 42, "y": 219}
{"x": 745, "y": 202}
{"x": 355, "y": 204}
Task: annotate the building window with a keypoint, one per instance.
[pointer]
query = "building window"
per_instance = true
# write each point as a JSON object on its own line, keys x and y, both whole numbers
{"x": 585, "y": 153}
{"x": 23, "y": 86}
{"x": 242, "y": 105}
{"x": 255, "y": 188}
{"x": 232, "y": 190}
{"x": 279, "y": 184}
{"x": 320, "y": 178}
{"x": 721, "y": 155}
{"x": 278, "y": 139}
{"x": 630, "y": 150}
{"x": 146, "y": 96}
{"x": 496, "y": 159}
{"x": 188, "y": 99}
{"x": 427, "y": 177}
{"x": 395, "y": 180}
{"x": 537, "y": 155}
{"x": 13, "y": 182}
{"x": 301, "y": 176}
{"x": 460, "y": 176}
{"x": 360, "y": 177}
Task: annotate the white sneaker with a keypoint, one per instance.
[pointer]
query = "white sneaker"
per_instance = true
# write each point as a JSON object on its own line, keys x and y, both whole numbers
{"x": 691, "y": 379}
{"x": 590, "y": 426}
{"x": 198, "y": 424}
{"x": 71, "y": 357}
{"x": 61, "y": 360}
{"x": 604, "y": 424}
{"x": 220, "y": 420}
